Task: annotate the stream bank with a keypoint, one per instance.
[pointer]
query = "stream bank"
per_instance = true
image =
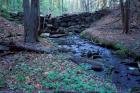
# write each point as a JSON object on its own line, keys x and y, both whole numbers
{"x": 96, "y": 60}
{"x": 91, "y": 56}
{"x": 100, "y": 61}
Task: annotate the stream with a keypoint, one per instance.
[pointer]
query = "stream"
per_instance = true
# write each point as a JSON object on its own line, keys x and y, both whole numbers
{"x": 101, "y": 61}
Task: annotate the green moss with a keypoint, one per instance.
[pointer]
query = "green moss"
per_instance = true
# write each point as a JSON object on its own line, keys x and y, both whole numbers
{"x": 118, "y": 48}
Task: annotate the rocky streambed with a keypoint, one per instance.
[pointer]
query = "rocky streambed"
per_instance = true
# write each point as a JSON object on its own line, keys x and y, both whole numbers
{"x": 101, "y": 61}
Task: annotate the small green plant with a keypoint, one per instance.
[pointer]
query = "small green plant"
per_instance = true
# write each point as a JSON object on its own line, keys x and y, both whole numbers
{"x": 21, "y": 78}
{"x": 53, "y": 75}
{"x": 2, "y": 83}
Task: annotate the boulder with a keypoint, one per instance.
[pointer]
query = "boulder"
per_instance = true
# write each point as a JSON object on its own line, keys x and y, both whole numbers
{"x": 45, "y": 35}
{"x": 97, "y": 68}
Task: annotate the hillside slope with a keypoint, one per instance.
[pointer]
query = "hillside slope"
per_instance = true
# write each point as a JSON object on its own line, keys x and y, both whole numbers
{"x": 109, "y": 29}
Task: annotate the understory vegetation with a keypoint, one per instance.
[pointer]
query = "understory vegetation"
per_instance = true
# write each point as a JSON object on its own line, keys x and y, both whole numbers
{"x": 52, "y": 74}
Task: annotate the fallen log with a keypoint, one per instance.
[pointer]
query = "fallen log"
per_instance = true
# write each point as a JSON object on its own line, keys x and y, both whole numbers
{"x": 6, "y": 53}
{"x": 34, "y": 47}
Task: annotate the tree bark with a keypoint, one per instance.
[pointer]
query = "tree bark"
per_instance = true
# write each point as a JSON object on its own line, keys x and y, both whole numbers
{"x": 122, "y": 13}
{"x": 127, "y": 15}
{"x": 125, "y": 11}
{"x": 26, "y": 8}
{"x": 34, "y": 25}
{"x": 31, "y": 20}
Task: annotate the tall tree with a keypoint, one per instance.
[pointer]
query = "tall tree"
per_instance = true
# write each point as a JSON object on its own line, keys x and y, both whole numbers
{"x": 125, "y": 12}
{"x": 26, "y": 8}
{"x": 127, "y": 16}
{"x": 31, "y": 20}
{"x": 122, "y": 13}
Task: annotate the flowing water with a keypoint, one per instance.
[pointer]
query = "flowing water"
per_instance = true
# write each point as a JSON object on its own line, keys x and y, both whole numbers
{"x": 101, "y": 61}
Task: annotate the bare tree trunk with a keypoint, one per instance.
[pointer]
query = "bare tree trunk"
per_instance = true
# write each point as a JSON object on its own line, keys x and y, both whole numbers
{"x": 122, "y": 13}
{"x": 127, "y": 13}
{"x": 26, "y": 7}
{"x": 138, "y": 13}
{"x": 31, "y": 20}
{"x": 34, "y": 16}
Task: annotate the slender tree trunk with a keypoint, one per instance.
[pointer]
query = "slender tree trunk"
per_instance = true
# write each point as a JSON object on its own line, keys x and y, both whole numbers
{"x": 34, "y": 20}
{"x": 127, "y": 15}
{"x": 122, "y": 13}
{"x": 138, "y": 13}
{"x": 125, "y": 11}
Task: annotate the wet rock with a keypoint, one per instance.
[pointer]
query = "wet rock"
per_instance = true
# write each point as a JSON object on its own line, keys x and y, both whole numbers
{"x": 45, "y": 35}
{"x": 65, "y": 49}
{"x": 90, "y": 54}
{"x": 97, "y": 68}
{"x": 116, "y": 72}
{"x": 135, "y": 90}
{"x": 57, "y": 35}
{"x": 138, "y": 81}
{"x": 132, "y": 65}
{"x": 96, "y": 56}
{"x": 134, "y": 73}
{"x": 62, "y": 41}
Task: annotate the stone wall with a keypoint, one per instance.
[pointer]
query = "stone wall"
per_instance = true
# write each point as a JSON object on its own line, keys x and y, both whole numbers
{"x": 76, "y": 22}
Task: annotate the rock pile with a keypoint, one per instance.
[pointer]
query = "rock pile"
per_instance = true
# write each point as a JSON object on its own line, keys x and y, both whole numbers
{"x": 76, "y": 22}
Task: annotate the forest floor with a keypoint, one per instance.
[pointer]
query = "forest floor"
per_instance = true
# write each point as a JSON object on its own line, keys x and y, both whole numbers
{"x": 22, "y": 71}
{"x": 62, "y": 71}
{"x": 109, "y": 30}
